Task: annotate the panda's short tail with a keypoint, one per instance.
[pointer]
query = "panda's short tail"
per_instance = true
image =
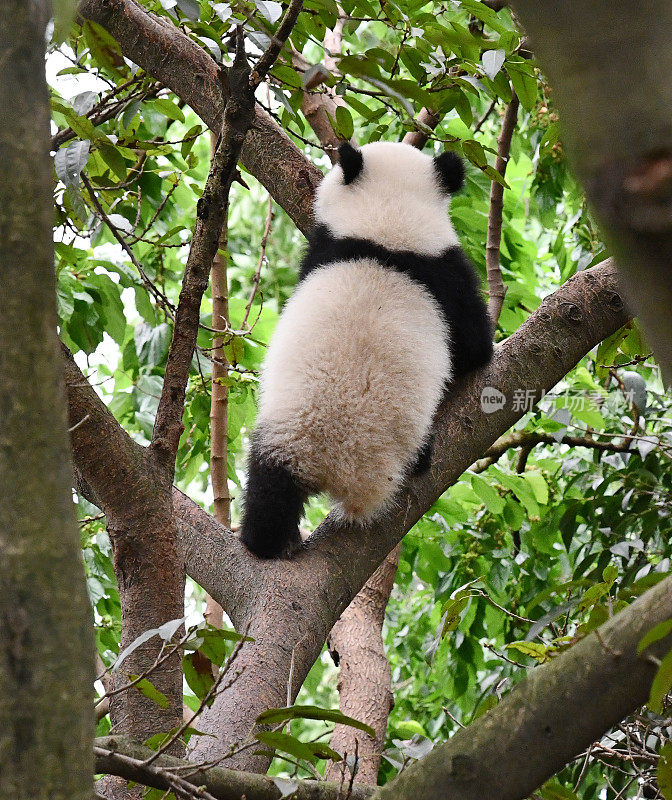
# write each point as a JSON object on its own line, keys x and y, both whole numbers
{"x": 273, "y": 506}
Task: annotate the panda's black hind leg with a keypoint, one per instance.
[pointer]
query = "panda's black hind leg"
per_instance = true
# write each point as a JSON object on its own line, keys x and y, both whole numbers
{"x": 423, "y": 458}
{"x": 273, "y": 507}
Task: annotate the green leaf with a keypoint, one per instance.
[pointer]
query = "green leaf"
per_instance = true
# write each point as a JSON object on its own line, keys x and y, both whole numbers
{"x": 275, "y": 716}
{"x": 656, "y": 633}
{"x": 539, "y": 486}
{"x": 592, "y": 595}
{"x": 344, "y": 122}
{"x": 169, "y": 109}
{"x": 664, "y": 771}
{"x": 452, "y": 611}
{"x": 103, "y": 47}
{"x": 554, "y": 790}
{"x": 286, "y": 743}
{"x": 198, "y": 674}
{"x": 114, "y": 160}
{"x": 534, "y": 650}
{"x": 525, "y": 85}
{"x": 486, "y": 14}
{"x": 609, "y": 575}
{"x": 661, "y": 684}
{"x": 151, "y": 692}
{"x": 473, "y": 150}
{"x": 488, "y": 494}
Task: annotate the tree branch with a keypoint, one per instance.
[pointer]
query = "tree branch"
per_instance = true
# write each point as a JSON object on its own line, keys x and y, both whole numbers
{"x": 554, "y": 714}
{"x": 210, "y": 214}
{"x": 167, "y": 54}
{"x": 121, "y": 756}
{"x": 497, "y": 289}
{"x": 622, "y": 154}
{"x": 276, "y": 44}
{"x": 364, "y": 682}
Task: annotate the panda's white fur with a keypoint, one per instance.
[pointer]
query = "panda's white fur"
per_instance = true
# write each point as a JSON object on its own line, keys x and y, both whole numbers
{"x": 396, "y": 201}
{"x": 347, "y": 404}
{"x": 359, "y": 360}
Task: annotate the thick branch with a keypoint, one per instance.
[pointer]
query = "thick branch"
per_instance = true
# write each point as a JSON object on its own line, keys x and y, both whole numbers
{"x": 280, "y": 603}
{"x": 558, "y": 711}
{"x": 365, "y": 682}
{"x": 118, "y": 755}
{"x": 172, "y": 58}
{"x": 616, "y": 127}
{"x": 497, "y": 289}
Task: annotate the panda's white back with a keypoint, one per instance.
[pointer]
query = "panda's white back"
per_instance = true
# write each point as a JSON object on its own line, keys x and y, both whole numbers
{"x": 353, "y": 374}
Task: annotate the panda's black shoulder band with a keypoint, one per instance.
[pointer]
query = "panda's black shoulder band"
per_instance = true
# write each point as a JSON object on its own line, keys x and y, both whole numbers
{"x": 450, "y": 169}
{"x": 351, "y": 161}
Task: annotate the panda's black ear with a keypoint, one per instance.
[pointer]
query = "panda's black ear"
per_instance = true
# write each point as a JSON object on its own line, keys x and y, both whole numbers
{"x": 450, "y": 169}
{"x": 351, "y": 161}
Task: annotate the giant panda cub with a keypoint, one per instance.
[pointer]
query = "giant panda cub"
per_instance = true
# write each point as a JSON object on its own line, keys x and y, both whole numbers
{"x": 386, "y": 311}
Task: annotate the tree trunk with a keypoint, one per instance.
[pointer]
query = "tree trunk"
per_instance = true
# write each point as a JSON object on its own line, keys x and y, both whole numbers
{"x": 616, "y": 126}
{"x": 46, "y": 643}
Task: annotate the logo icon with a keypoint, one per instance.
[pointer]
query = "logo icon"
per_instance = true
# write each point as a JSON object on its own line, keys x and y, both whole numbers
{"x": 492, "y": 400}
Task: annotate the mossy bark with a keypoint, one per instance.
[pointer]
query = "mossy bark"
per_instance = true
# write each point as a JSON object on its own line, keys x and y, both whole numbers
{"x": 46, "y": 635}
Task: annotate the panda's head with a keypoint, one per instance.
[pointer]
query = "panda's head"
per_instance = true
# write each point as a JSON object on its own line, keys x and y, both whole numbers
{"x": 391, "y": 194}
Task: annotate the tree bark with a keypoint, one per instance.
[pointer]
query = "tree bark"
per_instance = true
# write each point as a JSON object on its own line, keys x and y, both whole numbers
{"x": 365, "y": 681}
{"x": 616, "y": 127}
{"x": 46, "y": 642}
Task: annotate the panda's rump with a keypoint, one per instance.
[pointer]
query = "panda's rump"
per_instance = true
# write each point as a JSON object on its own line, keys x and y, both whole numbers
{"x": 352, "y": 378}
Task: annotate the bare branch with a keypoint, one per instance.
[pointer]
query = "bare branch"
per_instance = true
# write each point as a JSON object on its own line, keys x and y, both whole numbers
{"x": 117, "y": 755}
{"x": 497, "y": 289}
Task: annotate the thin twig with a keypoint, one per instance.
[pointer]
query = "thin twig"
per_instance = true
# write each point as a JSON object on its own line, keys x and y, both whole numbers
{"x": 260, "y": 262}
{"x": 497, "y": 289}
{"x": 276, "y": 44}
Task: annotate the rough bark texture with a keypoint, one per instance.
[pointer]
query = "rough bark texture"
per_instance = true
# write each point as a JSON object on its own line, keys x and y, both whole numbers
{"x": 188, "y": 70}
{"x": 46, "y": 642}
{"x": 365, "y": 681}
{"x": 552, "y": 716}
{"x": 616, "y": 126}
{"x": 148, "y": 565}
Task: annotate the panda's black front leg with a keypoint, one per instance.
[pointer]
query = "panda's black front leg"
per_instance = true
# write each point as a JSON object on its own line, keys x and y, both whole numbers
{"x": 423, "y": 458}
